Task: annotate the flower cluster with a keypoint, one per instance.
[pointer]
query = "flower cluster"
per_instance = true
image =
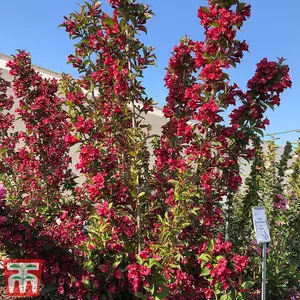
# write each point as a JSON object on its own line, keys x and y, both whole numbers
{"x": 281, "y": 203}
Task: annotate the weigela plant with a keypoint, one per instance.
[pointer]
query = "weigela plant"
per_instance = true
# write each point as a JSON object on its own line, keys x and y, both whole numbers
{"x": 127, "y": 228}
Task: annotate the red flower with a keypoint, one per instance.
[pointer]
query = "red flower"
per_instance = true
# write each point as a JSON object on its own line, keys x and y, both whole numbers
{"x": 118, "y": 274}
{"x": 61, "y": 290}
{"x": 104, "y": 268}
{"x": 3, "y": 220}
{"x": 240, "y": 262}
{"x": 112, "y": 288}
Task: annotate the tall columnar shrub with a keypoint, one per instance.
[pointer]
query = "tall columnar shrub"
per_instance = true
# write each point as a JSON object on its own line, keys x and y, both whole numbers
{"x": 133, "y": 230}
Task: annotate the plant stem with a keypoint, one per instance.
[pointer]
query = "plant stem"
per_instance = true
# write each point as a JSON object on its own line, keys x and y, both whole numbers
{"x": 138, "y": 203}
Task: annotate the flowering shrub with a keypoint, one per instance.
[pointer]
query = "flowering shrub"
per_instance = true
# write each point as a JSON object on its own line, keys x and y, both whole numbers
{"x": 133, "y": 230}
{"x": 35, "y": 171}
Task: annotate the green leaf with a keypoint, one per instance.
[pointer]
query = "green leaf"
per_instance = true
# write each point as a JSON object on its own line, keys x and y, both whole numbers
{"x": 271, "y": 105}
{"x": 259, "y": 131}
{"x": 152, "y": 288}
{"x": 119, "y": 259}
{"x": 239, "y": 296}
{"x": 162, "y": 295}
{"x": 139, "y": 260}
{"x": 86, "y": 283}
{"x": 247, "y": 284}
{"x": 231, "y": 295}
{"x": 97, "y": 4}
{"x": 205, "y": 9}
{"x": 141, "y": 194}
{"x": 217, "y": 288}
{"x": 139, "y": 295}
{"x": 148, "y": 15}
{"x": 175, "y": 266}
{"x": 108, "y": 21}
{"x": 143, "y": 28}
{"x": 123, "y": 25}
{"x": 153, "y": 262}
{"x": 89, "y": 265}
{"x": 49, "y": 288}
{"x": 204, "y": 257}
{"x": 205, "y": 271}
{"x": 240, "y": 7}
{"x": 215, "y": 24}
{"x": 173, "y": 181}
{"x": 219, "y": 257}
{"x": 233, "y": 64}
{"x": 89, "y": 296}
{"x": 211, "y": 245}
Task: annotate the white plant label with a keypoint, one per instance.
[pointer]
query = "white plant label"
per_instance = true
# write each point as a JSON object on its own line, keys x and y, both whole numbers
{"x": 260, "y": 224}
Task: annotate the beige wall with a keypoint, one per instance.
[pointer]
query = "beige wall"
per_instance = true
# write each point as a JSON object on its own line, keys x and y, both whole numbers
{"x": 155, "y": 118}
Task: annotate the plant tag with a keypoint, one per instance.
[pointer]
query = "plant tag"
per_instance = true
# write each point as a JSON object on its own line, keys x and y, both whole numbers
{"x": 260, "y": 224}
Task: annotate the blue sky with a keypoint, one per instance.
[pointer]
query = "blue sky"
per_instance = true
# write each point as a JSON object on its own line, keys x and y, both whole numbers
{"x": 272, "y": 31}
